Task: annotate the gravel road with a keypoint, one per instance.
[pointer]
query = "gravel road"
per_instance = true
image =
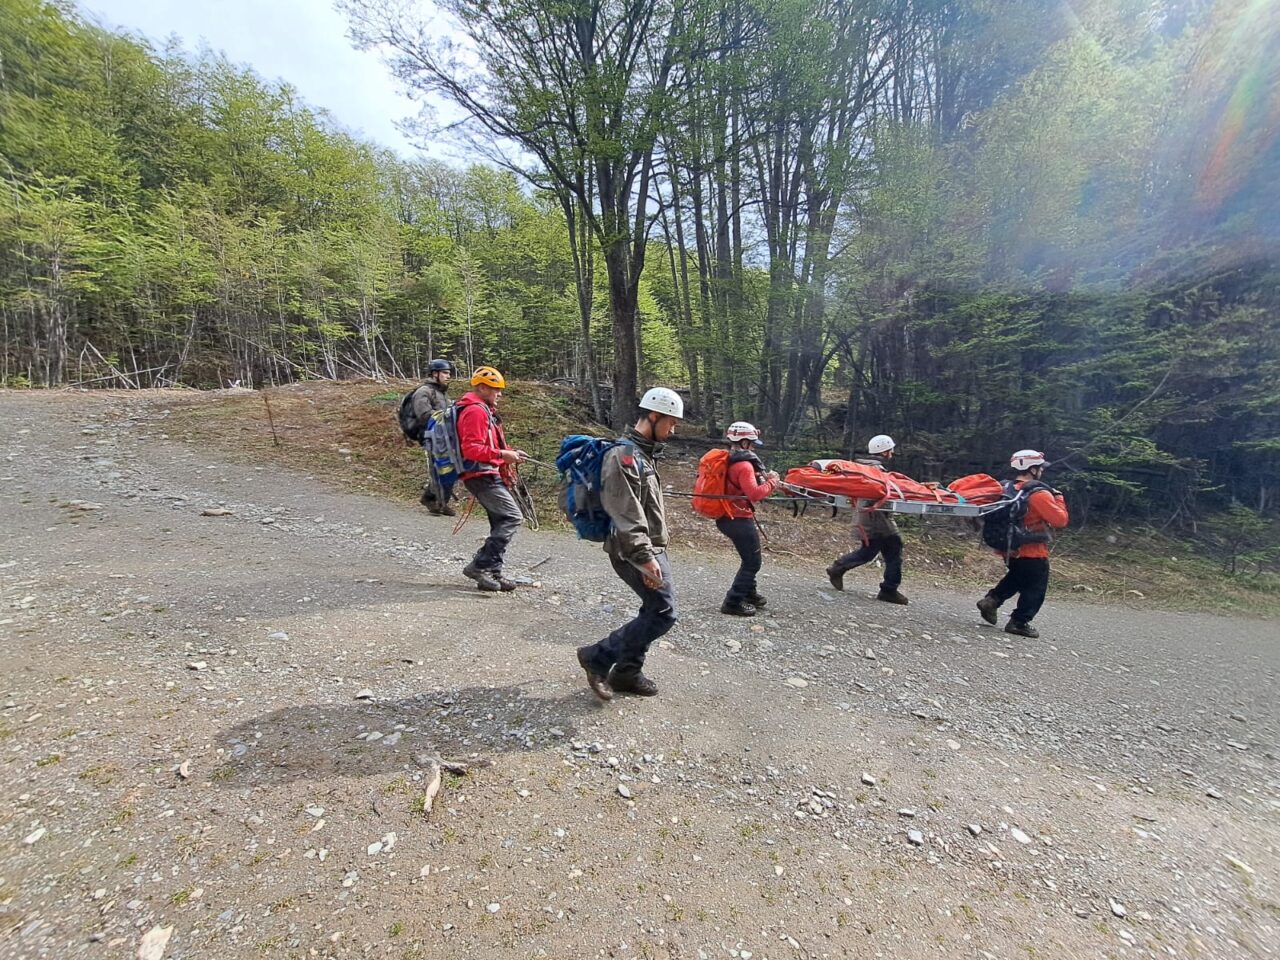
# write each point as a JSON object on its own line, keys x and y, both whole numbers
{"x": 227, "y": 687}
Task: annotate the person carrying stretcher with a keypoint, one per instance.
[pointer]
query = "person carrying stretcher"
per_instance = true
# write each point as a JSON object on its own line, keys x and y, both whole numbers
{"x": 747, "y": 482}
{"x": 879, "y": 535}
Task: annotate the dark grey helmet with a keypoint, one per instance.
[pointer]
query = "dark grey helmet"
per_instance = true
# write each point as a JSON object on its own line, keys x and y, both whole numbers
{"x": 437, "y": 366}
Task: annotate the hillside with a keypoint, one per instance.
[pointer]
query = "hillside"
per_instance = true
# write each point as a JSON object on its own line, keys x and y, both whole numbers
{"x": 347, "y": 434}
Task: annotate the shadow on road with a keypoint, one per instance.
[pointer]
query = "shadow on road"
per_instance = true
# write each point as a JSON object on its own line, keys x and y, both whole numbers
{"x": 318, "y": 741}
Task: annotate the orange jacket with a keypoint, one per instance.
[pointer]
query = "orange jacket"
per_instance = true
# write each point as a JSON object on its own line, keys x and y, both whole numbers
{"x": 1045, "y": 511}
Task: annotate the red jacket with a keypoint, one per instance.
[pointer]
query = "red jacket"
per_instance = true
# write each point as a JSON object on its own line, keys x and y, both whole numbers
{"x": 1044, "y": 511}
{"x": 741, "y": 478}
{"x": 480, "y": 436}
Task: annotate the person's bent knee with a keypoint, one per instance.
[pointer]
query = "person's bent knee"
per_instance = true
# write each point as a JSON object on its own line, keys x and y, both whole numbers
{"x": 663, "y": 621}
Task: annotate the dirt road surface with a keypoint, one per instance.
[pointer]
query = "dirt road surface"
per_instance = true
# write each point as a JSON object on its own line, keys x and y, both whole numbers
{"x": 190, "y": 703}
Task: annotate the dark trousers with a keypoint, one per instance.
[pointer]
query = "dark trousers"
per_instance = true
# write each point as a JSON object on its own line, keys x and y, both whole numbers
{"x": 504, "y": 520}
{"x": 890, "y": 547}
{"x": 745, "y": 535}
{"x": 624, "y": 650}
{"x": 1028, "y": 577}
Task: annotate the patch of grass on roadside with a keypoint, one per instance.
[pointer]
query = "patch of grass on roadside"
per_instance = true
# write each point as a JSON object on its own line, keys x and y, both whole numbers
{"x": 100, "y": 774}
{"x": 399, "y": 785}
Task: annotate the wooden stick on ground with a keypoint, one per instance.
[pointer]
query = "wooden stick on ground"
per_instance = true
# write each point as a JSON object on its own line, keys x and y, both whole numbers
{"x": 270, "y": 419}
{"x": 433, "y": 788}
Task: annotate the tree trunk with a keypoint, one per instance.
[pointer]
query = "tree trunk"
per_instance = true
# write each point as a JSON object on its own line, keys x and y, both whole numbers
{"x": 623, "y": 304}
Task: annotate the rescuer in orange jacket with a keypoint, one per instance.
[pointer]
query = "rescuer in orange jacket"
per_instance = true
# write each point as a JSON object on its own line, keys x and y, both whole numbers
{"x": 1028, "y": 561}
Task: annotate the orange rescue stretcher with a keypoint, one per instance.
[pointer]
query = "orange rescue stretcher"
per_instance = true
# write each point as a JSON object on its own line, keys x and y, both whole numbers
{"x": 844, "y": 484}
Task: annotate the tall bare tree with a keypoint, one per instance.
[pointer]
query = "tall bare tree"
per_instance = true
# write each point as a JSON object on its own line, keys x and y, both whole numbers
{"x": 582, "y": 85}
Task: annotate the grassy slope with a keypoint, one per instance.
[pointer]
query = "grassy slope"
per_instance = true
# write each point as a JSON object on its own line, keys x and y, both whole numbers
{"x": 347, "y": 433}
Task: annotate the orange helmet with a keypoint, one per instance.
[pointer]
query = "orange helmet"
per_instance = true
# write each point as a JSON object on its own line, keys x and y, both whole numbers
{"x": 489, "y": 377}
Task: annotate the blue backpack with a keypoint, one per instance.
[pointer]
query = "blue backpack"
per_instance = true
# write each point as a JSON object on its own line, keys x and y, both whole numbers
{"x": 444, "y": 453}
{"x": 579, "y": 462}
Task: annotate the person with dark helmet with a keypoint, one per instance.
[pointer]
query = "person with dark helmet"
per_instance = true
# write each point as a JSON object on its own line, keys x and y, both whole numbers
{"x": 430, "y": 398}
{"x": 748, "y": 482}
{"x": 1027, "y": 575}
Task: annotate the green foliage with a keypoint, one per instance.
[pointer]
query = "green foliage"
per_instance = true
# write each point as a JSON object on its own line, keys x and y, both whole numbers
{"x": 975, "y": 226}
{"x": 167, "y": 219}
{"x": 1041, "y": 277}
{"x": 1244, "y": 539}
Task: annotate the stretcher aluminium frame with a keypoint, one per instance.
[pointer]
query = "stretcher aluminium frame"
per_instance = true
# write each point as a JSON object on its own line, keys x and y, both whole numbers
{"x": 803, "y": 496}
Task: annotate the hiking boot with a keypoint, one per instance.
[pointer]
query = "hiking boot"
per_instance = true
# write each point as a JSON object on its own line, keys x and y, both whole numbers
{"x": 446, "y": 511}
{"x": 738, "y": 608}
{"x": 505, "y": 585}
{"x": 757, "y": 601}
{"x": 598, "y": 682}
{"x": 483, "y": 578}
{"x": 892, "y": 596}
{"x": 427, "y": 500}
{"x": 836, "y": 576}
{"x": 636, "y": 683}
{"x": 987, "y": 606}
{"x": 1020, "y": 629}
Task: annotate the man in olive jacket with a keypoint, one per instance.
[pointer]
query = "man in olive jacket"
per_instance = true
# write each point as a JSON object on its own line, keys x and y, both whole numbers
{"x": 631, "y": 493}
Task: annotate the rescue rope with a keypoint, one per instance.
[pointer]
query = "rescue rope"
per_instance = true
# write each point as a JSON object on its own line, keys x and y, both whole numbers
{"x": 524, "y": 500}
{"x": 465, "y": 516}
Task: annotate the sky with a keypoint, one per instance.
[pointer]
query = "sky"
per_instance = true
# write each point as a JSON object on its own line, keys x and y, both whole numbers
{"x": 302, "y": 42}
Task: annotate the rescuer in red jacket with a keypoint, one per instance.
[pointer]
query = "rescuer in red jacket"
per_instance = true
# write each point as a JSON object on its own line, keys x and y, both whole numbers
{"x": 486, "y": 462}
{"x": 747, "y": 481}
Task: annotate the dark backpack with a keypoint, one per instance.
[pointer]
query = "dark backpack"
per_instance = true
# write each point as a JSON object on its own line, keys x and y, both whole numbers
{"x": 1005, "y": 529}
{"x": 411, "y": 425}
{"x": 580, "y": 461}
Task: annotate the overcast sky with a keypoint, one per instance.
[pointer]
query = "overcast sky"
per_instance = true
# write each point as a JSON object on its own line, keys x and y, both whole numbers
{"x": 302, "y": 42}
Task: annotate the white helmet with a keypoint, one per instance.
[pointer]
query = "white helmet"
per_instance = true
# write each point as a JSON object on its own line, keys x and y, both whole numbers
{"x": 881, "y": 443}
{"x": 1026, "y": 459}
{"x": 664, "y": 401}
{"x": 741, "y": 430}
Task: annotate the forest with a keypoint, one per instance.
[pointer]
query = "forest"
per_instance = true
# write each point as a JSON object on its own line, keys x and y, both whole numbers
{"x": 976, "y": 225}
